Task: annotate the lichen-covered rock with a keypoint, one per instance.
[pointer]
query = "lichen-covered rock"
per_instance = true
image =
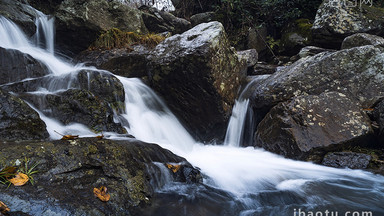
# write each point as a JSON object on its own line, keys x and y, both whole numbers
{"x": 21, "y": 14}
{"x": 121, "y": 62}
{"x": 69, "y": 170}
{"x": 75, "y": 105}
{"x": 362, "y": 39}
{"x": 18, "y": 121}
{"x": 249, "y": 56}
{"x": 337, "y": 19}
{"x": 78, "y": 23}
{"x": 161, "y": 21}
{"x": 306, "y": 123}
{"x": 357, "y": 72}
{"x": 16, "y": 66}
{"x": 262, "y": 68}
{"x": 350, "y": 160}
{"x": 198, "y": 75}
{"x": 312, "y": 50}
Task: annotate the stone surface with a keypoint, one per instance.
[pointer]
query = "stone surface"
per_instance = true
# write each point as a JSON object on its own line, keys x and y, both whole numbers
{"x": 75, "y": 105}
{"x": 295, "y": 36}
{"x": 78, "y": 23}
{"x": 256, "y": 39}
{"x": 161, "y": 21}
{"x": 263, "y": 68}
{"x": 362, "y": 39}
{"x": 307, "y": 123}
{"x": 198, "y": 75}
{"x": 249, "y": 56}
{"x": 312, "y": 50}
{"x": 16, "y": 66}
{"x": 337, "y": 19}
{"x": 350, "y": 160}
{"x": 69, "y": 170}
{"x": 202, "y": 18}
{"x": 357, "y": 72}
{"x": 20, "y": 13}
{"x": 18, "y": 121}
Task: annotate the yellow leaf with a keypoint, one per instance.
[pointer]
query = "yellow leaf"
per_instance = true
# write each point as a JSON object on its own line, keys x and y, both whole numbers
{"x": 100, "y": 137}
{"x": 70, "y": 137}
{"x": 4, "y": 208}
{"x": 174, "y": 168}
{"x": 101, "y": 193}
{"x": 19, "y": 180}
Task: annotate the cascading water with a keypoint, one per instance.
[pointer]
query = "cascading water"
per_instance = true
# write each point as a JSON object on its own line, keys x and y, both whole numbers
{"x": 243, "y": 181}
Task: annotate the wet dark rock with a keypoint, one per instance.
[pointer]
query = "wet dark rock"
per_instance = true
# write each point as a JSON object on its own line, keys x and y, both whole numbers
{"x": 312, "y": 50}
{"x": 263, "y": 68}
{"x": 362, "y": 39}
{"x": 18, "y": 121}
{"x": 69, "y": 170}
{"x": 20, "y": 13}
{"x": 202, "y": 18}
{"x": 199, "y": 76}
{"x": 75, "y": 105}
{"x": 16, "y": 66}
{"x": 306, "y": 123}
{"x": 336, "y": 20}
{"x": 161, "y": 21}
{"x": 295, "y": 36}
{"x": 121, "y": 62}
{"x": 256, "y": 39}
{"x": 356, "y": 72}
{"x": 350, "y": 160}
{"x": 378, "y": 118}
{"x": 46, "y": 6}
{"x": 78, "y": 23}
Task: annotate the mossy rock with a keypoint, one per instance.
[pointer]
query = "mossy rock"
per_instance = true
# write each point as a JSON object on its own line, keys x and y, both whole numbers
{"x": 295, "y": 36}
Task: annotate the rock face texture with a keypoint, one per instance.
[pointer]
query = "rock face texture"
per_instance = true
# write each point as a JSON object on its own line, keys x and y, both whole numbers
{"x": 80, "y": 22}
{"x": 198, "y": 75}
{"x": 347, "y": 159}
{"x": 20, "y": 13}
{"x": 161, "y": 21}
{"x": 69, "y": 170}
{"x": 296, "y": 127}
{"x": 362, "y": 39}
{"x": 337, "y": 19}
{"x": 18, "y": 121}
{"x": 16, "y": 66}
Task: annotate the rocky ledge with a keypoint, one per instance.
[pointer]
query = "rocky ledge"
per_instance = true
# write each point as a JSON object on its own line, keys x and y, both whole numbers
{"x": 68, "y": 171}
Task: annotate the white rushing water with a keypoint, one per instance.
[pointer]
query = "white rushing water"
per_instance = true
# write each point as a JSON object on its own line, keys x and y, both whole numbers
{"x": 240, "y": 171}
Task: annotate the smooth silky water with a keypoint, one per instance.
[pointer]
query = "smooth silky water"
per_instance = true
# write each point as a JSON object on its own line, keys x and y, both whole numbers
{"x": 237, "y": 181}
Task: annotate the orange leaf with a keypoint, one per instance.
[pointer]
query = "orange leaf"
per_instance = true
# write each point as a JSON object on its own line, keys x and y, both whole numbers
{"x": 101, "y": 193}
{"x": 19, "y": 180}
{"x": 4, "y": 208}
{"x": 368, "y": 109}
{"x": 100, "y": 137}
{"x": 174, "y": 168}
{"x": 70, "y": 137}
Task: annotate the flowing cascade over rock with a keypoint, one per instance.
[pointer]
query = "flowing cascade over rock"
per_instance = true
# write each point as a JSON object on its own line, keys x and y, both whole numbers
{"x": 336, "y": 20}
{"x": 199, "y": 76}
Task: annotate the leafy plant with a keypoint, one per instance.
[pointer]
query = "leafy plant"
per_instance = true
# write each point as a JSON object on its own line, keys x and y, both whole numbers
{"x": 28, "y": 169}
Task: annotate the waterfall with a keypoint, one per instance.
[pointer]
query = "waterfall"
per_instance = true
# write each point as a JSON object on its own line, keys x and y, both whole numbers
{"x": 265, "y": 183}
{"x": 45, "y": 32}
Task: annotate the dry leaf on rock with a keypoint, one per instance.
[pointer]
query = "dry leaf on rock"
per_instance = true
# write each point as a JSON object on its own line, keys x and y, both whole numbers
{"x": 101, "y": 193}
{"x": 70, "y": 137}
{"x": 172, "y": 167}
{"x": 4, "y": 208}
{"x": 19, "y": 180}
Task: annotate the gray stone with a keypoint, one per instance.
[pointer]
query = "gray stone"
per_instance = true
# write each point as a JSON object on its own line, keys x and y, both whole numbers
{"x": 362, "y": 39}
{"x": 250, "y": 56}
{"x": 350, "y": 160}
{"x": 202, "y": 18}
{"x": 312, "y": 50}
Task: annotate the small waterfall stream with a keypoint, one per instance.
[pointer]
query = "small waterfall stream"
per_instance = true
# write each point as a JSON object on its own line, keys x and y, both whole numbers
{"x": 261, "y": 183}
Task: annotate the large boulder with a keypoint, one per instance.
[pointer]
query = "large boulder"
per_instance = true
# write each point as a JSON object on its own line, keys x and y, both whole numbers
{"x": 16, "y": 66}
{"x": 295, "y": 36}
{"x": 306, "y": 123}
{"x": 199, "y": 76}
{"x": 351, "y": 160}
{"x": 202, "y": 18}
{"x": 76, "y": 105}
{"x": 18, "y": 121}
{"x": 78, "y": 23}
{"x": 336, "y": 20}
{"x": 362, "y": 39}
{"x": 68, "y": 171}
{"x": 357, "y": 72}
{"x": 20, "y": 13}
{"x": 161, "y": 21}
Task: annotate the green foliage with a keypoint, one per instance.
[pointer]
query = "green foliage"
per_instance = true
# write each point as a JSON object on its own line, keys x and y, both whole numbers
{"x": 115, "y": 38}
{"x": 272, "y": 43}
{"x": 29, "y": 169}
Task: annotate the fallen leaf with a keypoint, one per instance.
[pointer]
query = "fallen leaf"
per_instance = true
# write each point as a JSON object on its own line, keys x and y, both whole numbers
{"x": 4, "y": 208}
{"x": 174, "y": 168}
{"x": 101, "y": 193}
{"x": 368, "y": 109}
{"x": 70, "y": 137}
{"x": 100, "y": 137}
{"x": 19, "y": 180}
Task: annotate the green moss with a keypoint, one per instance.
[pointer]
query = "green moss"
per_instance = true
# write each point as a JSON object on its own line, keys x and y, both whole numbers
{"x": 373, "y": 13}
{"x": 115, "y": 38}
